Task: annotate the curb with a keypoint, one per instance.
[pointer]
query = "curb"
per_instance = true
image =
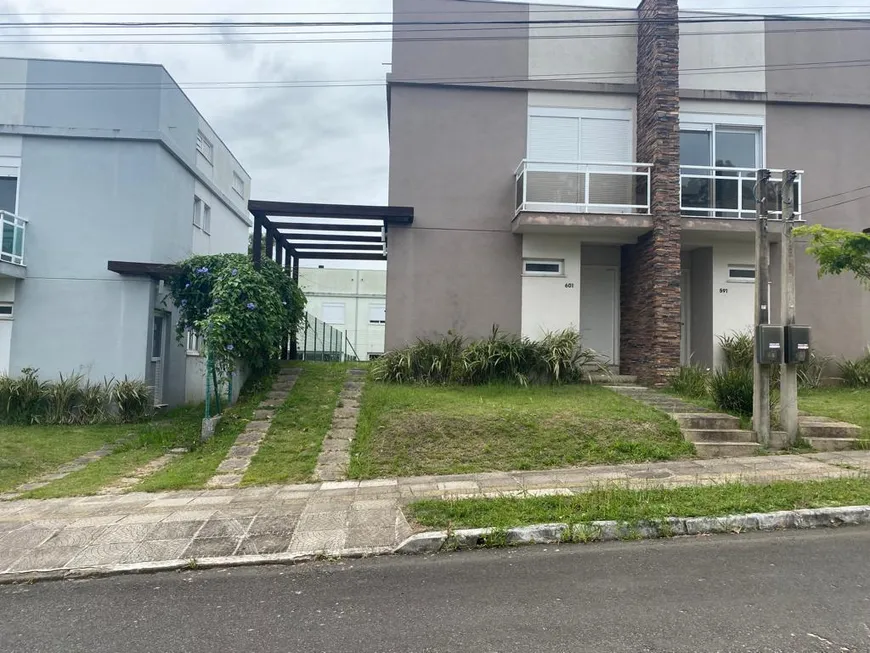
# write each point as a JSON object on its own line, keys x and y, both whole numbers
{"x": 609, "y": 531}
{"x": 181, "y": 565}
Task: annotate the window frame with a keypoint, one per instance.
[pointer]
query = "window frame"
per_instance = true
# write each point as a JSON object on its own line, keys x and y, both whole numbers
{"x": 383, "y": 311}
{"x": 204, "y": 146}
{"x": 7, "y": 305}
{"x": 197, "y": 211}
{"x": 741, "y": 267}
{"x": 343, "y": 306}
{"x": 206, "y": 218}
{"x": 193, "y": 344}
{"x": 239, "y": 188}
{"x": 622, "y": 115}
{"x": 543, "y": 261}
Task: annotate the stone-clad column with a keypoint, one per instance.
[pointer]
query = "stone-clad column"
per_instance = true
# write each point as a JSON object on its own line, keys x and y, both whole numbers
{"x": 650, "y": 331}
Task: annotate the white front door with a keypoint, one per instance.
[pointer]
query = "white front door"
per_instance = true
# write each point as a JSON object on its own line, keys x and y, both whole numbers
{"x": 599, "y": 310}
{"x": 685, "y": 315}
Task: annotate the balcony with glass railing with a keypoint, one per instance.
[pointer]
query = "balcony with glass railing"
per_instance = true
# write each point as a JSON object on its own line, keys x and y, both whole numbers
{"x": 729, "y": 193}
{"x": 549, "y": 187}
{"x": 12, "y": 245}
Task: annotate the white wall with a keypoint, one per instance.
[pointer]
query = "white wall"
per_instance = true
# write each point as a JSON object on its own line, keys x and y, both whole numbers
{"x": 357, "y": 290}
{"x": 7, "y": 294}
{"x": 228, "y": 233}
{"x": 732, "y": 310}
{"x": 583, "y": 59}
{"x": 13, "y": 72}
{"x": 551, "y": 303}
{"x": 707, "y": 49}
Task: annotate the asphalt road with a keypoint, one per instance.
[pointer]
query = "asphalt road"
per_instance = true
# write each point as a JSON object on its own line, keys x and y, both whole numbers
{"x": 797, "y": 591}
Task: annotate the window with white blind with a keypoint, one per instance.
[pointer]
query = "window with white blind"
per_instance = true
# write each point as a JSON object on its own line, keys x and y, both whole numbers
{"x": 333, "y": 313}
{"x": 377, "y": 314}
{"x": 561, "y": 144}
{"x": 204, "y": 147}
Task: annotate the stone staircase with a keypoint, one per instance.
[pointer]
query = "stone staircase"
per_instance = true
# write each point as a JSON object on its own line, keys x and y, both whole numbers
{"x": 715, "y": 435}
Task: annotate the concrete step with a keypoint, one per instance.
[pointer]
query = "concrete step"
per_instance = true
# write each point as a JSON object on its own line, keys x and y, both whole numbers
{"x": 834, "y": 444}
{"x": 734, "y": 436}
{"x": 613, "y": 379}
{"x": 726, "y": 449}
{"x": 706, "y": 421}
{"x": 826, "y": 428}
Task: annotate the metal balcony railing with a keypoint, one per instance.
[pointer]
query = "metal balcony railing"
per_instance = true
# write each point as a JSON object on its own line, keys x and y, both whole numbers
{"x": 583, "y": 187}
{"x": 12, "y": 245}
{"x": 718, "y": 192}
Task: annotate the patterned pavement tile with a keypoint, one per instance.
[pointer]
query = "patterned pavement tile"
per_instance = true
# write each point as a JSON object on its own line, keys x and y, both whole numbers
{"x": 153, "y": 551}
{"x": 25, "y": 538}
{"x": 123, "y": 533}
{"x": 79, "y": 537}
{"x": 45, "y": 558}
{"x": 211, "y": 547}
{"x": 224, "y": 528}
{"x": 174, "y": 530}
{"x": 101, "y": 554}
{"x": 264, "y": 543}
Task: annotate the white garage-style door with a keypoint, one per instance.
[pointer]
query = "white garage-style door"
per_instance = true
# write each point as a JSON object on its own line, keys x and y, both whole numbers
{"x": 599, "y": 310}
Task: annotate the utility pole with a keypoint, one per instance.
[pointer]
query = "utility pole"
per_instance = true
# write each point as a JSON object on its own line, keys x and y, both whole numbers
{"x": 788, "y": 377}
{"x": 761, "y": 373}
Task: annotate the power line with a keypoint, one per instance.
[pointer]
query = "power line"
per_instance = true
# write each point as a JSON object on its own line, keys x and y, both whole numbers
{"x": 845, "y": 192}
{"x": 325, "y": 83}
{"x": 831, "y": 206}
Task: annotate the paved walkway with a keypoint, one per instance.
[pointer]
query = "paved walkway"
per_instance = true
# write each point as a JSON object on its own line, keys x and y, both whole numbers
{"x": 132, "y": 531}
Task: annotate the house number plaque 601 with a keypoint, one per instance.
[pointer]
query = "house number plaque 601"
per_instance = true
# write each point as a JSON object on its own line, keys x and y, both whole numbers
{"x": 569, "y": 285}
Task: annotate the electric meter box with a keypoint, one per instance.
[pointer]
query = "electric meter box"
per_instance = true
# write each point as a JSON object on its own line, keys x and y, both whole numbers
{"x": 769, "y": 344}
{"x": 797, "y": 344}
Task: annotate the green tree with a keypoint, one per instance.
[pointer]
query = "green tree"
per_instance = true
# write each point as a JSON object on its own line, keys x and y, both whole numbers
{"x": 838, "y": 251}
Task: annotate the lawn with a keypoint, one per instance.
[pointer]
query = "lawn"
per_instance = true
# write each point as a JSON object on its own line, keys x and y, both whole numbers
{"x": 29, "y": 451}
{"x": 839, "y": 403}
{"x": 289, "y": 452}
{"x": 408, "y": 430}
{"x": 640, "y": 505}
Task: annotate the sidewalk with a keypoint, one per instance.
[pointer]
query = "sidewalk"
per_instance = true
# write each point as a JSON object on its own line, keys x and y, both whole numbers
{"x": 138, "y": 531}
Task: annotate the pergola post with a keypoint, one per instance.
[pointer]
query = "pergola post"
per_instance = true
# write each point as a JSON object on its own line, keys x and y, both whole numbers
{"x": 270, "y": 243}
{"x": 257, "y": 243}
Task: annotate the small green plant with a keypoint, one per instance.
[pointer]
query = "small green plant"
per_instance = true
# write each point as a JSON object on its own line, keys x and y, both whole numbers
{"x": 691, "y": 381}
{"x": 500, "y": 358}
{"x": 856, "y": 373}
{"x": 731, "y": 390}
{"x": 133, "y": 399}
{"x": 63, "y": 399}
{"x": 738, "y": 347}
{"x": 24, "y": 397}
{"x": 811, "y": 373}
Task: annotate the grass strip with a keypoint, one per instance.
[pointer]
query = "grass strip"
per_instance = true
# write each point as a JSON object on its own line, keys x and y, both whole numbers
{"x": 289, "y": 452}
{"x": 410, "y": 430}
{"x": 639, "y": 505}
{"x": 193, "y": 470}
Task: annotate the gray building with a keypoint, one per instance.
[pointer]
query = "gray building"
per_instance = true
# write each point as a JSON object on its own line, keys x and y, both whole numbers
{"x": 598, "y": 174}
{"x": 106, "y": 162}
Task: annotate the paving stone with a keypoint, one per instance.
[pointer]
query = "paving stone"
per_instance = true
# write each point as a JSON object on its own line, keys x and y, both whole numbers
{"x": 376, "y": 519}
{"x": 225, "y": 480}
{"x": 381, "y": 482}
{"x": 316, "y": 541}
{"x": 234, "y": 465}
{"x": 242, "y": 451}
{"x": 283, "y": 524}
{"x": 212, "y": 500}
{"x": 342, "y": 434}
{"x": 101, "y": 554}
{"x": 277, "y": 395}
{"x": 335, "y": 446}
{"x": 224, "y": 528}
{"x": 250, "y": 438}
{"x": 346, "y": 413}
{"x": 79, "y": 537}
{"x": 25, "y": 538}
{"x": 144, "y": 518}
{"x": 259, "y": 425}
{"x": 264, "y": 544}
{"x": 123, "y": 533}
{"x": 152, "y": 551}
{"x": 169, "y": 503}
{"x": 211, "y": 547}
{"x": 322, "y": 521}
{"x": 263, "y": 414}
{"x": 8, "y": 557}
{"x": 43, "y": 559}
{"x": 174, "y": 530}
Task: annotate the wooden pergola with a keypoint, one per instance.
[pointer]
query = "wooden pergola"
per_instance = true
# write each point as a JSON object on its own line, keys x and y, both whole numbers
{"x": 293, "y": 231}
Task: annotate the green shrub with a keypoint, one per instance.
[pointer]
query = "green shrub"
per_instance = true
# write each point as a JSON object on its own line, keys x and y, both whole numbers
{"x": 856, "y": 373}
{"x": 691, "y": 381}
{"x": 731, "y": 390}
{"x": 71, "y": 400}
{"x": 500, "y": 358}
{"x": 811, "y": 373}
{"x": 738, "y": 347}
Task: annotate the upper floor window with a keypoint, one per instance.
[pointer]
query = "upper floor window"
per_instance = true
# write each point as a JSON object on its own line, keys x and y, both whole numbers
{"x": 718, "y": 163}
{"x": 204, "y": 147}
{"x": 8, "y": 194}
{"x": 201, "y": 215}
{"x": 238, "y": 185}
{"x": 377, "y": 314}
{"x": 579, "y": 136}
{"x": 333, "y": 313}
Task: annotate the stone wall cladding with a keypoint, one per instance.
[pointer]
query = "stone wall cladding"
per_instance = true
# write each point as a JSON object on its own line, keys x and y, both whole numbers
{"x": 650, "y": 305}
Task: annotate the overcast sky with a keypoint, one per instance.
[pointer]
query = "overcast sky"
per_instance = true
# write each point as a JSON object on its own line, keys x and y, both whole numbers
{"x": 298, "y": 144}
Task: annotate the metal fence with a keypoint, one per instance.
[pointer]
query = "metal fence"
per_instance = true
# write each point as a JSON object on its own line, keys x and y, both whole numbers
{"x": 318, "y": 341}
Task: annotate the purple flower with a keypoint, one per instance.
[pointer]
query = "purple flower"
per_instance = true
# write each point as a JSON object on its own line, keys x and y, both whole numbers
{"x": 230, "y": 347}
{"x": 251, "y": 306}
{"x": 202, "y": 270}
{"x": 184, "y": 302}
{"x": 187, "y": 285}
{"x": 235, "y": 272}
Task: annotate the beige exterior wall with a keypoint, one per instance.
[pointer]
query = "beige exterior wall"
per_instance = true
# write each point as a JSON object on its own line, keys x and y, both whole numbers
{"x": 582, "y": 53}
{"x": 726, "y": 56}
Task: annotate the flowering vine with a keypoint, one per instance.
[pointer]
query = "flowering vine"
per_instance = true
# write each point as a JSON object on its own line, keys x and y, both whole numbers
{"x": 239, "y": 312}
